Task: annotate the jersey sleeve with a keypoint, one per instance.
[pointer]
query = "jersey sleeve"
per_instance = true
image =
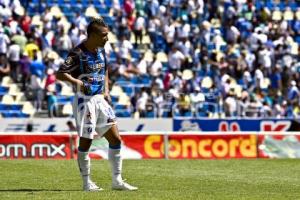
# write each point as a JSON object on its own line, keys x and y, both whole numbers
{"x": 71, "y": 63}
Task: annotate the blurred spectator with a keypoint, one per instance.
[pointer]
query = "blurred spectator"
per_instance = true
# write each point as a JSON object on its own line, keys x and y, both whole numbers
{"x": 25, "y": 63}
{"x": 71, "y": 126}
{"x": 175, "y": 58}
{"x": 184, "y": 104}
{"x": 233, "y": 58}
{"x": 32, "y": 49}
{"x": 4, "y": 67}
{"x": 4, "y": 42}
{"x": 14, "y": 52}
{"x": 37, "y": 85}
{"x": 139, "y": 26}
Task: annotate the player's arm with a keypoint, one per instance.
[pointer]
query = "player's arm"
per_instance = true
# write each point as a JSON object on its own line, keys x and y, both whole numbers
{"x": 6, "y": 69}
{"x": 65, "y": 71}
{"x": 106, "y": 92}
{"x": 69, "y": 78}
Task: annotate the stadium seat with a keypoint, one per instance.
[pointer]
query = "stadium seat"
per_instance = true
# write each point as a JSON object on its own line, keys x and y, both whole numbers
{"x": 28, "y": 108}
{"x": 7, "y": 99}
{"x": 108, "y": 3}
{"x": 64, "y": 99}
{"x": 7, "y": 114}
{"x": 6, "y": 81}
{"x": 129, "y": 90}
{"x": 150, "y": 114}
{"x": 67, "y": 110}
{"x": 50, "y": 2}
{"x": 259, "y": 5}
{"x": 114, "y": 99}
{"x": 113, "y": 56}
{"x": 16, "y": 107}
{"x": 122, "y": 113}
{"x": 102, "y": 10}
{"x": 4, "y": 107}
{"x": 148, "y": 56}
{"x": 66, "y": 90}
{"x": 14, "y": 89}
{"x": 120, "y": 107}
{"x": 3, "y": 90}
{"x": 109, "y": 20}
{"x": 270, "y": 5}
{"x": 146, "y": 40}
{"x": 162, "y": 57}
{"x": 135, "y": 80}
{"x": 116, "y": 90}
{"x": 297, "y": 39}
{"x": 135, "y": 54}
{"x": 146, "y": 80}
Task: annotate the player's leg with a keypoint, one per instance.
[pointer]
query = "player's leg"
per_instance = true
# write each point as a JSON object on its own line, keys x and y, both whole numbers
{"x": 115, "y": 159}
{"x": 86, "y": 128}
{"x": 84, "y": 164}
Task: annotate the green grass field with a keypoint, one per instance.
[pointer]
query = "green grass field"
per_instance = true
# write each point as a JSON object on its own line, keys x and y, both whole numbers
{"x": 156, "y": 179}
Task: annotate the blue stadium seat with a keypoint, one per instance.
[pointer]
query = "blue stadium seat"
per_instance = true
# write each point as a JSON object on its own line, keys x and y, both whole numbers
{"x": 58, "y": 87}
{"x": 160, "y": 43}
{"x": 123, "y": 113}
{"x": 113, "y": 56}
{"x": 150, "y": 114}
{"x": 146, "y": 79}
{"x": 114, "y": 99}
{"x": 297, "y": 39}
{"x": 109, "y": 20}
{"x": 165, "y": 114}
{"x": 270, "y": 5}
{"x": 282, "y": 6}
{"x": 64, "y": 99}
{"x": 259, "y": 5}
{"x": 14, "y": 114}
{"x": 120, "y": 107}
{"x": 201, "y": 114}
{"x": 188, "y": 114}
{"x": 61, "y": 3}
{"x": 108, "y": 3}
{"x": 211, "y": 47}
{"x": 7, "y": 114}
{"x": 129, "y": 90}
{"x": 3, "y": 90}
{"x": 50, "y": 2}
{"x": 293, "y": 6}
{"x": 15, "y": 107}
{"x": 4, "y": 107}
{"x": 135, "y": 54}
{"x": 102, "y": 10}
{"x": 23, "y": 115}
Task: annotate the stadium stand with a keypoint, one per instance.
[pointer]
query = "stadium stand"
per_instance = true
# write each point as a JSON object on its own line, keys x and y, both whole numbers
{"x": 223, "y": 58}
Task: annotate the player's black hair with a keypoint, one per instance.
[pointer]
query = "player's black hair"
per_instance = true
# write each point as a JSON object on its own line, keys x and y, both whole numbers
{"x": 95, "y": 25}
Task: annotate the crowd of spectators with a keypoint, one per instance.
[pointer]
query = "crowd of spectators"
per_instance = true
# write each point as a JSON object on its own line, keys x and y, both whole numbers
{"x": 233, "y": 58}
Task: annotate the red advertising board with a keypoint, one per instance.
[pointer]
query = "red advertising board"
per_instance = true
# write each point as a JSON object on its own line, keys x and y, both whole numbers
{"x": 193, "y": 146}
{"x": 36, "y": 146}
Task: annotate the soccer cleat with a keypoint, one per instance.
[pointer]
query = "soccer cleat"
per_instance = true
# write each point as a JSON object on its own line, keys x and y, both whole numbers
{"x": 91, "y": 187}
{"x": 122, "y": 185}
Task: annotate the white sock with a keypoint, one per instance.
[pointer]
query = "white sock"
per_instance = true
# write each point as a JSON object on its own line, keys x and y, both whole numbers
{"x": 84, "y": 164}
{"x": 114, "y": 157}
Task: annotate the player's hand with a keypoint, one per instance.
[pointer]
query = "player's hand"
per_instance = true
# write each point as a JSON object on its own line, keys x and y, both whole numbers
{"x": 108, "y": 99}
{"x": 80, "y": 86}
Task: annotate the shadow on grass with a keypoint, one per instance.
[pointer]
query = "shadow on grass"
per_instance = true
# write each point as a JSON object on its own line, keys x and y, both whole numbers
{"x": 36, "y": 190}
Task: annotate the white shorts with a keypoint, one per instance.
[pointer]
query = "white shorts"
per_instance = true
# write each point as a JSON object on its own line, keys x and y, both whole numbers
{"x": 93, "y": 116}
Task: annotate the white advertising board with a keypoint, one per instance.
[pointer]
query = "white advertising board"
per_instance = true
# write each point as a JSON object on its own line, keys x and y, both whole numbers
{"x": 60, "y": 124}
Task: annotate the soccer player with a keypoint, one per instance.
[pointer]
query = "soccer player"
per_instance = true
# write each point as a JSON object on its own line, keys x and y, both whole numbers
{"x": 86, "y": 68}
